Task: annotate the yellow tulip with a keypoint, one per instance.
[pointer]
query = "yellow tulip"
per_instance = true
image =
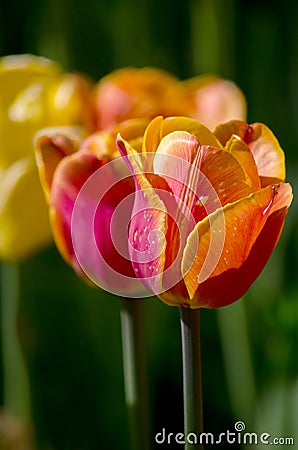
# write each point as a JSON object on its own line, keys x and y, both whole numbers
{"x": 34, "y": 93}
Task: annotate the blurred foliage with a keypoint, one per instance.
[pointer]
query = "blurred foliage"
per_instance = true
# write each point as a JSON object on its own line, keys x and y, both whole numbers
{"x": 70, "y": 333}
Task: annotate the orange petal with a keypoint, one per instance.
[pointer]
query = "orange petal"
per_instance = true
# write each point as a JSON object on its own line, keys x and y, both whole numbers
{"x": 223, "y": 259}
{"x": 132, "y": 131}
{"x": 152, "y": 135}
{"x": 268, "y": 155}
{"x": 131, "y": 92}
{"x": 242, "y": 153}
{"x": 226, "y": 130}
{"x": 51, "y": 146}
{"x": 192, "y": 126}
{"x": 159, "y": 127}
{"x": 202, "y": 178}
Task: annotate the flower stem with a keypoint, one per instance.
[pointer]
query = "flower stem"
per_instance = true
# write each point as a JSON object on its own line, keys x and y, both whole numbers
{"x": 135, "y": 380}
{"x": 16, "y": 383}
{"x": 192, "y": 379}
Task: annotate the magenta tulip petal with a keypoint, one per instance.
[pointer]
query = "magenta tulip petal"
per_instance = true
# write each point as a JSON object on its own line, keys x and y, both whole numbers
{"x": 148, "y": 225}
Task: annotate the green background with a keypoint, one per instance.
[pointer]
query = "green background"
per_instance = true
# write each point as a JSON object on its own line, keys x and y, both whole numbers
{"x": 70, "y": 333}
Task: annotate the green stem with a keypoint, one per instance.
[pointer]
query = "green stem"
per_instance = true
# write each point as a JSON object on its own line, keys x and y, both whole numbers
{"x": 192, "y": 378}
{"x": 15, "y": 375}
{"x": 135, "y": 381}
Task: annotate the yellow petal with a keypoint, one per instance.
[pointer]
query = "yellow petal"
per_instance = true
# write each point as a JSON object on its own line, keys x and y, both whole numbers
{"x": 242, "y": 153}
{"x": 159, "y": 127}
{"x": 24, "y": 222}
{"x": 268, "y": 155}
{"x": 70, "y": 102}
{"x": 17, "y": 71}
{"x": 35, "y": 94}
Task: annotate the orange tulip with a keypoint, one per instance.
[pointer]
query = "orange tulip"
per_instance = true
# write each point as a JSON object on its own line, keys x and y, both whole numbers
{"x": 66, "y": 162}
{"x": 130, "y": 92}
{"x": 213, "y": 100}
{"x": 209, "y": 208}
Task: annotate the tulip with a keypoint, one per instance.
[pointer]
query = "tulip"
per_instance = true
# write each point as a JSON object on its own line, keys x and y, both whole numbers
{"x": 66, "y": 163}
{"x": 85, "y": 180}
{"x": 34, "y": 93}
{"x": 213, "y": 100}
{"x": 130, "y": 92}
{"x": 209, "y": 208}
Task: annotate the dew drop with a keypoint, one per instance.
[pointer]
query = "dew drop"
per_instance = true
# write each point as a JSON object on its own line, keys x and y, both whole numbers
{"x": 273, "y": 192}
{"x": 203, "y": 199}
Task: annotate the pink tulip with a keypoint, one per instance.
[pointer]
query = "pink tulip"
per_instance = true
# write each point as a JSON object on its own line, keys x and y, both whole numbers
{"x": 85, "y": 181}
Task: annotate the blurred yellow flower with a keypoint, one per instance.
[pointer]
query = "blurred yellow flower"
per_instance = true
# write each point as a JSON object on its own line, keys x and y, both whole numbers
{"x": 34, "y": 93}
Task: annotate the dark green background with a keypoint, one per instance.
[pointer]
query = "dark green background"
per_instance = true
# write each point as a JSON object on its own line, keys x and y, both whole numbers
{"x": 70, "y": 333}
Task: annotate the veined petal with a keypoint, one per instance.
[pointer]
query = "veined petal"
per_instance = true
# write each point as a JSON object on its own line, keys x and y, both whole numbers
{"x": 242, "y": 153}
{"x": 202, "y": 177}
{"x": 268, "y": 155}
{"x": 174, "y": 150}
{"x": 222, "y": 269}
